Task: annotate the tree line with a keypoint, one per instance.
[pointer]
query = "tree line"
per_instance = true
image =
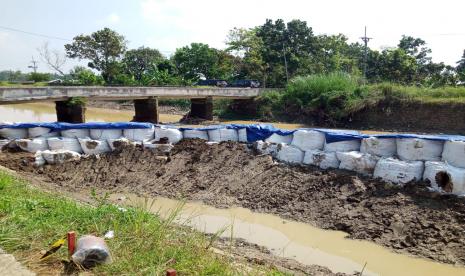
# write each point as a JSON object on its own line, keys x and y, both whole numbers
{"x": 272, "y": 53}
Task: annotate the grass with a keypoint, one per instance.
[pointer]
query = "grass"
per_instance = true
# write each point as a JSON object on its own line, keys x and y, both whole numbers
{"x": 30, "y": 220}
{"x": 9, "y": 84}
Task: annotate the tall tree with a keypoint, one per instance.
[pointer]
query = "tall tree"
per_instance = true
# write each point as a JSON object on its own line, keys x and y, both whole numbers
{"x": 461, "y": 69}
{"x": 139, "y": 61}
{"x": 103, "y": 48}
{"x": 195, "y": 60}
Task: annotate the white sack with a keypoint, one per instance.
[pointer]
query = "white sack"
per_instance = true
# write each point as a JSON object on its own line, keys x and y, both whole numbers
{"x": 222, "y": 134}
{"x": 104, "y": 134}
{"x": 76, "y": 133}
{"x": 172, "y": 134}
{"x": 13, "y": 133}
{"x": 64, "y": 143}
{"x": 280, "y": 139}
{"x": 457, "y": 177}
{"x": 419, "y": 149}
{"x": 160, "y": 147}
{"x": 39, "y": 160}
{"x": 290, "y": 154}
{"x": 3, "y": 142}
{"x": 308, "y": 140}
{"x": 90, "y": 146}
{"x": 431, "y": 169}
{"x": 343, "y": 146}
{"x": 266, "y": 148}
{"x": 60, "y": 156}
{"x": 194, "y": 133}
{"x": 139, "y": 134}
{"x": 324, "y": 160}
{"x": 397, "y": 171}
{"x": 384, "y": 147}
{"x": 242, "y": 135}
{"x": 363, "y": 163}
{"x": 33, "y": 145}
{"x": 42, "y": 132}
{"x": 454, "y": 153}
{"x": 119, "y": 143}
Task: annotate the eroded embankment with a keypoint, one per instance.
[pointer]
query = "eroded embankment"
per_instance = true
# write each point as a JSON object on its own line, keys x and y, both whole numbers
{"x": 406, "y": 219}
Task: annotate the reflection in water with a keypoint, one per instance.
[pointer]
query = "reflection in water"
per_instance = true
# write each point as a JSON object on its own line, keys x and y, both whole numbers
{"x": 302, "y": 242}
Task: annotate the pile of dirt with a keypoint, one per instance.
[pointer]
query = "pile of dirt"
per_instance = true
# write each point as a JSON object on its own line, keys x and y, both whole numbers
{"x": 409, "y": 219}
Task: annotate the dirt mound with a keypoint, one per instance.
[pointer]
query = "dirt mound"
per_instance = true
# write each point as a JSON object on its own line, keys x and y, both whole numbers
{"x": 407, "y": 219}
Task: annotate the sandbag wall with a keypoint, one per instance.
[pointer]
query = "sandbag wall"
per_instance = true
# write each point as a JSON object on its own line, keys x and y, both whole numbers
{"x": 396, "y": 158}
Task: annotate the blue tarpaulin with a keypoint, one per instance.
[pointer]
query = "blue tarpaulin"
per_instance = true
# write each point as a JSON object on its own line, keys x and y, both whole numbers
{"x": 255, "y": 132}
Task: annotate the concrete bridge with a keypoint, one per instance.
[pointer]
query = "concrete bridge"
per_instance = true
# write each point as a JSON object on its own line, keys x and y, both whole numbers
{"x": 145, "y": 99}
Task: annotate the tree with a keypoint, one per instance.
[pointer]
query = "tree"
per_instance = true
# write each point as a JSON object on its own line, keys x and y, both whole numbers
{"x": 139, "y": 61}
{"x": 195, "y": 60}
{"x": 103, "y": 48}
{"x": 39, "y": 77}
{"x": 460, "y": 69}
{"x": 85, "y": 76}
{"x": 53, "y": 58}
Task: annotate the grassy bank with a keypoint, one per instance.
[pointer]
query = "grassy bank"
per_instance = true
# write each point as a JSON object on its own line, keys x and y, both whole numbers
{"x": 30, "y": 220}
{"x": 334, "y": 97}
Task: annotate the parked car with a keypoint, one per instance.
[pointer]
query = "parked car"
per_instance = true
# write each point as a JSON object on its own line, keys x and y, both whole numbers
{"x": 219, "y": 83}
{"x": 245, "y": 83}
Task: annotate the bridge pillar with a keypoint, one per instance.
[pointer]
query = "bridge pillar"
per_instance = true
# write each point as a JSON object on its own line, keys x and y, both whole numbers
{"x": 202, "y": 108}
{"x": 70, "y": 113}
{"x": 146, "y": 110}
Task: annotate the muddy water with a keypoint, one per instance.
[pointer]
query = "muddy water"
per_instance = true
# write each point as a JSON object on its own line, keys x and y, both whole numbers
{"x": 302, "y": 242}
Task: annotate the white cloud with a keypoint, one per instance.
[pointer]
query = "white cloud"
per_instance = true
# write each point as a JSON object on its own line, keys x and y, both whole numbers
{"x": 111, "y": 19}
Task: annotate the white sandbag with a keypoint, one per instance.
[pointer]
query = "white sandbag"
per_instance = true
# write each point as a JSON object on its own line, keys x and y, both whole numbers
{"x": 90, "y": 146}
{"x": 60, "y": 156}
{"x": 39, "y": 160}
{"x": 33, "y": 145}
{"x": 343, "y": 146}
{"x": 42, "y": 132}
{"x": 139, "y": 134}
{"x": 13, "y": 133}
{"x": 431, "y": 169}
{"x": 324, "y": 160}
{"x": 64, "y": 143}
{"x": 159, "y": 147}
{"x": 3, "y": 143}
{"x": 308, "y": 140}
{"x": 457, "y": 179}
{"x": 119, "y": 143}
{"x": 194, "y": 133}
{"x": 104, "y": 134}
{"x": 242, "y": 135}
{"x": 289, "y": 154}
{"x": 222, "y": 134}
{"x": 266, "y": 148}
{"x": 384, "y": 147}
{"x": 454, "y": 153}
{"x": 363, "y": 163}
{"x": 397, "y": 171}
{"x": 173, "y": 135}
{"x": 76, "y": 133}
{"x": 280, "y": 139}
{"x": 415, "y": 149}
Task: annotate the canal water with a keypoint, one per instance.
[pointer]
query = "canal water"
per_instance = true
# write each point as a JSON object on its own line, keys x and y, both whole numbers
{"x": 299, "y": 241}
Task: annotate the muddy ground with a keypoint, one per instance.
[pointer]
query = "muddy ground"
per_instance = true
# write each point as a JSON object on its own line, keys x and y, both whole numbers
{"x": 409, "y": 219}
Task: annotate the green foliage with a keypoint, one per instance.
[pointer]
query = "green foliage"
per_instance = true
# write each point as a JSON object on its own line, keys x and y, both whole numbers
{"x": 143, "y": 244}
{"x": 196, "y": 60}
{"x": 140, "y": 61}
{"x": 103, "y": 48}
{"x": 39, "y": 77}
{"x": 85, "y": 76}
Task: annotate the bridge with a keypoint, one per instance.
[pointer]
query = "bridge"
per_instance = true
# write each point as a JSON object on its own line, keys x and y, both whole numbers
{"x": 145, "y": 99}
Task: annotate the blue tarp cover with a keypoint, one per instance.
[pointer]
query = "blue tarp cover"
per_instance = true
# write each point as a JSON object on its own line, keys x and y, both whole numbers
{"x": 255, "y": 132}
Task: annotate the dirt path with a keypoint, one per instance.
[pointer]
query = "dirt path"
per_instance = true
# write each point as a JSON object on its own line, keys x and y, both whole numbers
{"x": 408, "y": 219}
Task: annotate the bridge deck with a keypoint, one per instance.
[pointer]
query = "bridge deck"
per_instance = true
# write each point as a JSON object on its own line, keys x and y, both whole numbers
{"x": 11, "y": 95}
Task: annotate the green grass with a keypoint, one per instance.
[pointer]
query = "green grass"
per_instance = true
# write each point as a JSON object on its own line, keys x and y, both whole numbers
{"x": 31, "y": 219}
{"x": 8, "y": 84}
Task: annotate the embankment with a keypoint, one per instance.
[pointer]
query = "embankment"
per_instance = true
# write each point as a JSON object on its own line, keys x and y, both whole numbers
{"x": 409, "y": 219}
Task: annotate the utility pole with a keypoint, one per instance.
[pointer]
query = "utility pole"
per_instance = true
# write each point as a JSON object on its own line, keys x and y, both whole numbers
{"x": 34, "y": 65}
{"x": 365, "y": 58}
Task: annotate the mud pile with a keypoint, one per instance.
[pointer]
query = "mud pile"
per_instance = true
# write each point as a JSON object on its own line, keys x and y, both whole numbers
{"x": 408, "y": 219}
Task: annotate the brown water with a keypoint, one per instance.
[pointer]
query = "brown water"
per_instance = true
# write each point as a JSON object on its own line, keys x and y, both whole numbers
{"x": 302, "y": 242}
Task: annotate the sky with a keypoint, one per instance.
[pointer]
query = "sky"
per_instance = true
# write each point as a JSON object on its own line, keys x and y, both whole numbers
{"x": 170, "y": 24}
